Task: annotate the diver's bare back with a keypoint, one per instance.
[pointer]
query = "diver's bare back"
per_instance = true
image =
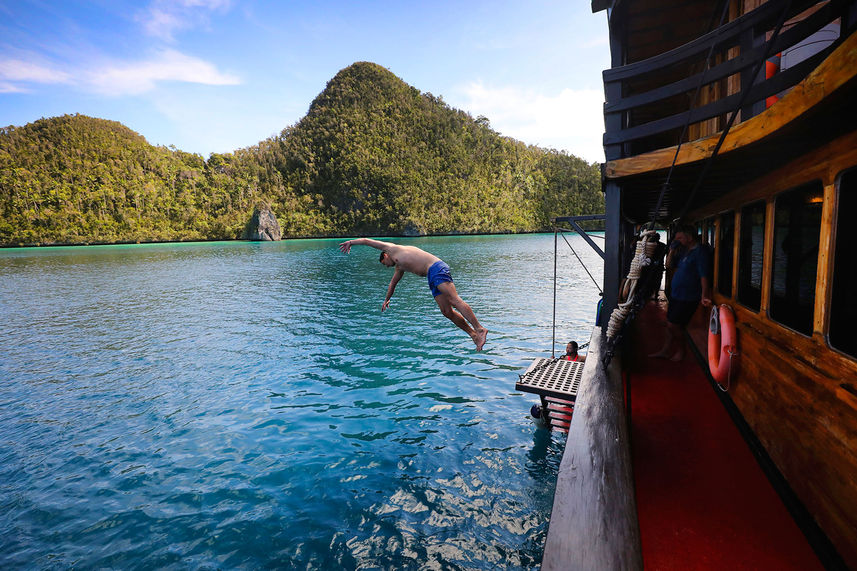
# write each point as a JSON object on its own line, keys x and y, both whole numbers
{"x": 411, "y": 259}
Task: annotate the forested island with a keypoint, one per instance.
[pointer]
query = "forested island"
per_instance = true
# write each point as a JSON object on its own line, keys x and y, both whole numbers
{"x": 372, "y": 156}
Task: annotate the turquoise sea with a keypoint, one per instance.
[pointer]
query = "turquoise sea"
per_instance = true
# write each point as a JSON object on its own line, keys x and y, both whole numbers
{"x": 238, "y": 405}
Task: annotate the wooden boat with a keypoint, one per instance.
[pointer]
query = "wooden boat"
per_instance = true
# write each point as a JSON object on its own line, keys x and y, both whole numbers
{"x": 704, "y": 126}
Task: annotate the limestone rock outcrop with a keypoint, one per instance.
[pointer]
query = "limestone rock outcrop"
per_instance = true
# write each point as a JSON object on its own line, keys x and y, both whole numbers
{"x": 263, "y": 226}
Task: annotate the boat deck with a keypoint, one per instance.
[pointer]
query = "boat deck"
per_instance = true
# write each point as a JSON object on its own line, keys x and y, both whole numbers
{"x": 702, "y": 499}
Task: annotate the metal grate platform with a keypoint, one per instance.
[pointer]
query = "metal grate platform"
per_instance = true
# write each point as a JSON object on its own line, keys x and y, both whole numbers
{"x": 549, "y": 377}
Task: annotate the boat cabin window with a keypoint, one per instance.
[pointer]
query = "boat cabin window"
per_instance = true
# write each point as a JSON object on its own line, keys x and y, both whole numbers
{"x": 843, "y": 303}
{"x": 725, "y": 252}
{"x": 797, "y": 227}
{"x": 751, "y": 255}
{"x": 708, "y": 234}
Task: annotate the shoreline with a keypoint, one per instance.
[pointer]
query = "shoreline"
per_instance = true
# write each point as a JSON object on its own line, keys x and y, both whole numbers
{"x": 202, "y": 240}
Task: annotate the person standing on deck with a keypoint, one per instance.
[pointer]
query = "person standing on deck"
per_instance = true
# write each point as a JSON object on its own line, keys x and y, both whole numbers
{"x": 691, "y": 283}
{"x": 419, "y": 262}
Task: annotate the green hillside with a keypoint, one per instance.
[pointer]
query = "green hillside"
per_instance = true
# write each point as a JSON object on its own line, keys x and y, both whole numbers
{"x": 372, "y": 156}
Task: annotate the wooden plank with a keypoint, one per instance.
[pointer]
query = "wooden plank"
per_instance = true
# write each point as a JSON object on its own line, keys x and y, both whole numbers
{"x": 833, "y": 73}
{"x": 794, "y": 391}
{"x": 768, "y": 255}
{"x": 594, "y": 518}
{"x": 789, "y": 390}
{"x": 823, "y": 164}
{"x": 824, "y": 271}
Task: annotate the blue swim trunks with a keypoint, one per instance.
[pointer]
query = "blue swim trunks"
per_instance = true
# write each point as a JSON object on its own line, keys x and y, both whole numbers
{"x": 437, "y": 274}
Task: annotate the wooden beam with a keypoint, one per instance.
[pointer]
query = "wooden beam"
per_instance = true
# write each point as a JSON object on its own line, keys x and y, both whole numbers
{"x": 598, "y": 5}
{"x": 824, "y": 271}
{"x": 594, "y": 519}
{"x": 768, "y": 255}
{"x": 613, "y": 240}
{"x": 833, "y": 73}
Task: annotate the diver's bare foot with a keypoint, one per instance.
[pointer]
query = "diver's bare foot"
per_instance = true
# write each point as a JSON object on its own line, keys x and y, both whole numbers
{"x": 481, "y": 336}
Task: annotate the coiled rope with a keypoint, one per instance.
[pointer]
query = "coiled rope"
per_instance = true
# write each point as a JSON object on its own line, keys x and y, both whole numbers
{"x": 643, "y": 258}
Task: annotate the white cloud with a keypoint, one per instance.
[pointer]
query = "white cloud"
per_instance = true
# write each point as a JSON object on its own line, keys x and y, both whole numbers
{"x": 16, "y": 73}
{"x": 161, "y": 24}
{"x": 210, "y": 4}
{"x": 116, "y": 77}
{"x": 11, "y": 88}
{"x": 163, "y": 18}
{"x": 571, "y": 120}
{"x": 168, "y": 65}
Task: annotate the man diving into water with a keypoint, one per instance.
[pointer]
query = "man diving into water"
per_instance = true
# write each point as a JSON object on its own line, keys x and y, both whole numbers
{"x": 419, "y": 262}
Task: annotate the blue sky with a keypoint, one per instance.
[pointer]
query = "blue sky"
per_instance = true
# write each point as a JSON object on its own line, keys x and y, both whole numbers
{"x": 218, "y": 75}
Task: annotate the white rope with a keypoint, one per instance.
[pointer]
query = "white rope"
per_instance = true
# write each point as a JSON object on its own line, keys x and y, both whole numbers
{"x": 643, "y": 254}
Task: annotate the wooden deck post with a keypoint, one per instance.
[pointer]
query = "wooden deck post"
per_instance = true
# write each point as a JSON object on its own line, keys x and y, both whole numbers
{"x": 613, "y": 251}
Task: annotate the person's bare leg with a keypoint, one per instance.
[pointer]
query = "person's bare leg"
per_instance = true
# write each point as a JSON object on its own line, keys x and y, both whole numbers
{"x": 449, "y": 312}
{"x": 449, "y": 301}
{"x": 678, "y": 355}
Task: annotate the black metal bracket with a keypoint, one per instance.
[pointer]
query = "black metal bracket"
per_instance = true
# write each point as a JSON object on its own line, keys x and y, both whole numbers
{"x": 573, "y": 220}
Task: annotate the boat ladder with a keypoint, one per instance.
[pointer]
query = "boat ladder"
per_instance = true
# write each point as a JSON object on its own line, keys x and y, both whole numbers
{"x": 556, "y": 381}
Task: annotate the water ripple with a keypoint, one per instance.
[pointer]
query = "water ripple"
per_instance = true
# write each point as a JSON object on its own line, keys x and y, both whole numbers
{"x": 236, "y": 405}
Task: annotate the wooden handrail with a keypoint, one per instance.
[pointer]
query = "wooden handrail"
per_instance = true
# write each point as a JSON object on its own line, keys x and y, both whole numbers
{"x": 835, "y": 72}
{"x": 759, "y": 91}
{"x": 722, "y": 38}
{"x": 594, "y": 518}
{"x": 764, "y": 14}
{"x": 732, "y": 66}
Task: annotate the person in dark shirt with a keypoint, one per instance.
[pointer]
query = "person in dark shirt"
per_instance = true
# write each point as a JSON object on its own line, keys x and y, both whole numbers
{"x": 675, "y": 253}
{"x": 690, "y": 285}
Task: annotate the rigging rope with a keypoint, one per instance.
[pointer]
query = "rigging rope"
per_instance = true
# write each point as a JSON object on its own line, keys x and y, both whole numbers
{"x": 581, "y": 261}
{"x": 666, "y": 186}
{"x": 558, "y": 230}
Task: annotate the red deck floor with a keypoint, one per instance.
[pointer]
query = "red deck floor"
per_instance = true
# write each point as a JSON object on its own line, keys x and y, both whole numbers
{"x": 703, "y": 500}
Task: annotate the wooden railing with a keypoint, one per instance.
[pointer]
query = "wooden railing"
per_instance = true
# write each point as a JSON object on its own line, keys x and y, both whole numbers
{"x": 594, "y": 518}
{"x": 641, "y": 110}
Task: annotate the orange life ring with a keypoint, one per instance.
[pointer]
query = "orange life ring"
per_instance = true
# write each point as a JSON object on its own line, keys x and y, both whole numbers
{"x": 772, "y": 68}
{"x": 722, "y": 343}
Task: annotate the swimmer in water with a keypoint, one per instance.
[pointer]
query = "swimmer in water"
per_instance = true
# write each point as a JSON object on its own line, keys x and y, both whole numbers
{"x": 419, "y": 262}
